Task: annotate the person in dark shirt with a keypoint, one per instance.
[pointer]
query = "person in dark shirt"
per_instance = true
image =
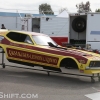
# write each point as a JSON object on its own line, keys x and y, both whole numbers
{"x": 2, "y": 26}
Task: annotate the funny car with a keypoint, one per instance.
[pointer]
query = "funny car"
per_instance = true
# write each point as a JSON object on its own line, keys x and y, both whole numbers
{"x": 32, "y": 49}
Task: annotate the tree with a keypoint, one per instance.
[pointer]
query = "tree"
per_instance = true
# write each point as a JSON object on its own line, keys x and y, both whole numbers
{"x": 62, "y": 9}
{"x": 45, "y": 9}
{"x": 97, "y": 10}
{"x": 83, "y": 7}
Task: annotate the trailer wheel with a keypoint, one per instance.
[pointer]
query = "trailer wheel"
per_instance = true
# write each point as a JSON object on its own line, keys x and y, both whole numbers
{"x": 3, "y": 65}
{"x": 2, "y": 51}
{"x": 79, "y": 24}
{"x": 92, "y": 80}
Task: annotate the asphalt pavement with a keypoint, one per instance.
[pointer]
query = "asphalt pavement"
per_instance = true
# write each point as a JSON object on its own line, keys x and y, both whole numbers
{"x": 25, "y": 84}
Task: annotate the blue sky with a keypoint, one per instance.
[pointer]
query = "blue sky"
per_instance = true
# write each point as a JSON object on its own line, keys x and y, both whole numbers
{"x": 32, "y": 5}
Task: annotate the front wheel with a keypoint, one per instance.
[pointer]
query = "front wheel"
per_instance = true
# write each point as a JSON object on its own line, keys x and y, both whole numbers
{"x": 69, "y": 63}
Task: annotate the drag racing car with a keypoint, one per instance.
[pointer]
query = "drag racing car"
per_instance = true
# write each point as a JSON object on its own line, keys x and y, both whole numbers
{"x": 32, "y": 49}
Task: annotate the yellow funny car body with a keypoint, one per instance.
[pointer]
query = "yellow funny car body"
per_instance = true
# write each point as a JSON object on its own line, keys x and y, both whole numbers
{"x": 29, "y": 48}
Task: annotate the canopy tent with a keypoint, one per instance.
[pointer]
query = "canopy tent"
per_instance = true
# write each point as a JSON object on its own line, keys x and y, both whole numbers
{"x": 64, "y": 14}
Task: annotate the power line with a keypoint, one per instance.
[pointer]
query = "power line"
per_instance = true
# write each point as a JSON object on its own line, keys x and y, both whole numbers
{"x": 24, "y": 10}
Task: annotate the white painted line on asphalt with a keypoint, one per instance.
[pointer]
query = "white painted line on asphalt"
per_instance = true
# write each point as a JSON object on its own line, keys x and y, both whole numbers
{"x": 93, "y": 96}
{"x": 95, "y": 89}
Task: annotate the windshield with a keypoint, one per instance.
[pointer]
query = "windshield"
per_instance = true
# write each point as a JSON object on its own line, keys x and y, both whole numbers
{"x": 43, "y": 40}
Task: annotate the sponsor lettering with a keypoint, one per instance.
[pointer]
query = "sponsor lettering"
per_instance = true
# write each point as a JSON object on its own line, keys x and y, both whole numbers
{"x": 32, "y": 56}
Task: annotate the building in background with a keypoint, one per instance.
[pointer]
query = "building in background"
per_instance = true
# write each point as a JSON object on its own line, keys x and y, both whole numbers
{"x": 55, "y": 27}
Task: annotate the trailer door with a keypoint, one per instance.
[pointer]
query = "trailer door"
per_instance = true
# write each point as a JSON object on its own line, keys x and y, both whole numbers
{"x": 93, "y": 30}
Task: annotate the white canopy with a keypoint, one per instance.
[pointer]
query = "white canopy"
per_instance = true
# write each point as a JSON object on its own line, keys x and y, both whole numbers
{"x": 63, "y": 14}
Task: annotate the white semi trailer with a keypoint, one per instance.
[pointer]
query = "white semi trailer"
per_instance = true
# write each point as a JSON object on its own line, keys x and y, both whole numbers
{"x": 79, "y": 29}
{"x": 84, "y": 29}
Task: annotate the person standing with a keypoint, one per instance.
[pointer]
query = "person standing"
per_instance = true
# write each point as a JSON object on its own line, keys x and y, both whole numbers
{"x": 3, "y": 26}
